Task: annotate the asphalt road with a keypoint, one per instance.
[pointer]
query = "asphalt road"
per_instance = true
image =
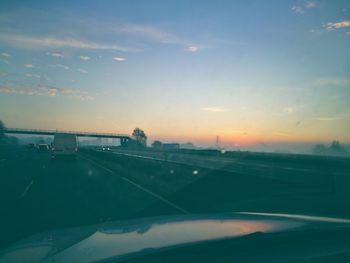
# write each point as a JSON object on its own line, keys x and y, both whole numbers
{"x": 282, "y": 184}
{"x": 38, "y": 194}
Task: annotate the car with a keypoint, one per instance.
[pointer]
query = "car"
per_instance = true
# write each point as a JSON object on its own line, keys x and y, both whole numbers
{"x": 105, "y": 148}
{"x": 31, "y": 146}
{"x": 64, "y": 145}
{"x": 43, "y": 148}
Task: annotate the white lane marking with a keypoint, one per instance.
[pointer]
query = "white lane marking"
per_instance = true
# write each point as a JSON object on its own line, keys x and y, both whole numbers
{"x": 138, "y": 186}
{"x": 27, "y": 189}
{"x": 149, "y": 158}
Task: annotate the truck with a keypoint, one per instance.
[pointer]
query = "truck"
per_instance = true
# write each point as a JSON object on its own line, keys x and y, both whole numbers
{"x": 64, "y": 145}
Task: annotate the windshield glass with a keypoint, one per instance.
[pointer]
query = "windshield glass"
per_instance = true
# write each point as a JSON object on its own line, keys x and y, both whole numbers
{"x": 124, "y": 110}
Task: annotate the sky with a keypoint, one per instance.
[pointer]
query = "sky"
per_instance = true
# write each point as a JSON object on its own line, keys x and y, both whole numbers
{"x": 250, "y": 72}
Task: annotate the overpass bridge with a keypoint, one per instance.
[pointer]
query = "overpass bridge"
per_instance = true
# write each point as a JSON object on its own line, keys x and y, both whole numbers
{"x": 124, "y": 138}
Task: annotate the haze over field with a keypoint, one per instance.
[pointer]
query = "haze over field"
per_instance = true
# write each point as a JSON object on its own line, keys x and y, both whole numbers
{"x": 253, "y": 74}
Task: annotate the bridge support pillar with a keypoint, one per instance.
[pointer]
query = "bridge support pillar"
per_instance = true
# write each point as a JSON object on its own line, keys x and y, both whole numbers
{"x": 123, "y": 142}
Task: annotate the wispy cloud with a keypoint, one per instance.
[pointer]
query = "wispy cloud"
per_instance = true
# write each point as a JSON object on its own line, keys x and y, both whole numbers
{"x": 85, "y": 58}
{"x": 192, "y": 49}
{"x": 282, "y": 134}
{"x": 297, "y": 9}
{"x": 119, "y": 59}
{"x": 65, "y": 67}
{"x": 293, "y": 108}
{"x": 5, "y": 55}
{"x": 337, "y": 25}
{"x": 66, "y": 91}
{"x": 151, "y": 33}
{"x": 82, "y": 71}
{"x": 215, "y": 109}
{"x": 28, "y": 65}
{"x": 48, "y": 92}
{"x": 300, "y": 8}
{"x": 21, "y": 41}
{"x": 335, "y": 117}
{"x": 28, "y": 75}
{"x": 310, "y": 4}
{"x": 329, "y": 118}
{"x": 55, "y": 54}
{"x": 330, "y": 81}
{"x": 154, "y": 34}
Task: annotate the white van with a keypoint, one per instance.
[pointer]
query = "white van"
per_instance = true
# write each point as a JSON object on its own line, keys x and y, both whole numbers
{"x": 64, "y": 145}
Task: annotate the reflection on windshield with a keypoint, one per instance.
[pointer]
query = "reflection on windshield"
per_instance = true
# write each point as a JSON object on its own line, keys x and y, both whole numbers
{"x": 103, "y": 245}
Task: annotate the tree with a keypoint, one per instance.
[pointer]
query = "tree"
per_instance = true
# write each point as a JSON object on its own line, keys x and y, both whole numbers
{"x": 336, "y": 148}
{"x": 319, "y": 149}
{"x": 140, "y": 136}
{"x": 2, "y": 128}
{"x": 157, "y": 144}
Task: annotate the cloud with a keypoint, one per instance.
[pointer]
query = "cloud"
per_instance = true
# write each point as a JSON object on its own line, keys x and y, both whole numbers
{"x": 290, "y": 109}
{"x": 82, "y": 71}
{"x": 48, "y": 92}
{"x": 6, "y": 90}
{"x": 335, "y": 118}
{"x": 5, "y": 55}
{"x": 192, "y": 49}
{"x": 297, "y": 9}
{"x": 300, "y": 9}
{"x": 293, "y": 109}
{"x": 65, "y": 67}
{"x": 55, "y": 54}
{"x": 50, "y": 42}
{"x": 66, "y": 91}
{"x": 337, "y": 25}
{"x": 329, "y": 118}
{"x": 28, "y": 75}
{"x": 85, "y": 58}
{"x": 119, "y": 59}
{"x": 52, "y": 92}
{"x": 151, "y": 33}
{"x": 282, "y": 134}
{"x": 154, "y": 34}
{"x": 215, "y": 109}
{"x": 330, "y": 81}
{"x": 28, "y": 65}
{"x": 310, "y": 4}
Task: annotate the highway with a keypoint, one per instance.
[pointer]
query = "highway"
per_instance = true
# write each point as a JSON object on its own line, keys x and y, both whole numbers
{"x": 39, "y": 194}
{"x": 304, "y": 173}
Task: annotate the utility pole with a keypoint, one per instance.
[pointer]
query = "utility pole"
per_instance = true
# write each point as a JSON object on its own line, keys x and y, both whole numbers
{"x": 217, "y": 142}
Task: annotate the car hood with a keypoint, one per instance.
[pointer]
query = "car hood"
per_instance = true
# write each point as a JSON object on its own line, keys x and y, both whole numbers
{"x": 124, "y": 239}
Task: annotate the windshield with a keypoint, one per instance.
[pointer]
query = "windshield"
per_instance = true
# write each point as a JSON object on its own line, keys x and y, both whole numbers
{"x": 126, "y": 110}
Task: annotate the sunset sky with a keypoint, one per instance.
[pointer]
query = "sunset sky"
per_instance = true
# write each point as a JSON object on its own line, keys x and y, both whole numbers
{"x": 250, "y": 72}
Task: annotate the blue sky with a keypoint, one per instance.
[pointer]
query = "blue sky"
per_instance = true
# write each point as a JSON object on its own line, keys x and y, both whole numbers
{"x": 248, "y": 71}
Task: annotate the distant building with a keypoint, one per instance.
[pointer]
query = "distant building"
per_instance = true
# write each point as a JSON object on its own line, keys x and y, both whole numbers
{"x": 188, "y": 146}
{"x": 171, "y": 146}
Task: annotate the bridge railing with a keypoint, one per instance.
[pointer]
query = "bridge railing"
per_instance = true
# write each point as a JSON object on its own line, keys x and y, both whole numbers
{"x": 52, "y": 132}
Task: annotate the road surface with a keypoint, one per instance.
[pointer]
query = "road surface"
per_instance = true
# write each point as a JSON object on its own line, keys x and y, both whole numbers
{"x": 38, "y": 194}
